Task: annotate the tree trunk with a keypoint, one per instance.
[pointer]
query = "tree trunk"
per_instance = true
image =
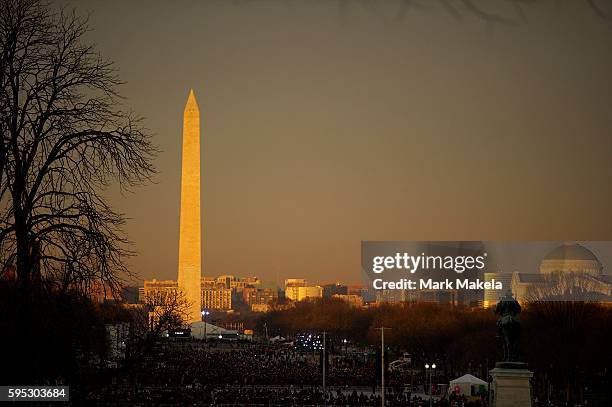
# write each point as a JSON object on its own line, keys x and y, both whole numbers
{"x": 23, "y": 250}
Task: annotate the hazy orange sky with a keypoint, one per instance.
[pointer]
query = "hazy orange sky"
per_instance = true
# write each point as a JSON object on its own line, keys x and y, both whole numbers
{"x": 325, "y": 123}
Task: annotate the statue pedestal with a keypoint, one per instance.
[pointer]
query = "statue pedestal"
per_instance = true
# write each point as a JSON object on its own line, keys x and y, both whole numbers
{"x": 510, "y": 386}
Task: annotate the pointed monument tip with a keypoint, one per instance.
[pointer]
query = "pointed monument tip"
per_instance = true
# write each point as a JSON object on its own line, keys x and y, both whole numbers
{"x": 191, "y": 94}
{"x": 191, "y": 101}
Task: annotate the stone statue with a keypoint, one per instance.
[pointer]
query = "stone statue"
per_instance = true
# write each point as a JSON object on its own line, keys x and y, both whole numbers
{"x": 510, "y": 380}
{"x": 508, "y": 326}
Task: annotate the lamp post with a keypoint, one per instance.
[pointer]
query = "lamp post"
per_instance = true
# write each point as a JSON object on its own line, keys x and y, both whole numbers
{"x": 324, "y": 360}
{"x": 382, "y": 364}
{"x": 429, "y": 369}
{"x": 205, "y": 313}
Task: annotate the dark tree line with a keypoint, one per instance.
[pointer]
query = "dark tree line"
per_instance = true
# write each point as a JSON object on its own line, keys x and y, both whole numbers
{"x": 64, "y": 139}
{"x": 566, "y": 343}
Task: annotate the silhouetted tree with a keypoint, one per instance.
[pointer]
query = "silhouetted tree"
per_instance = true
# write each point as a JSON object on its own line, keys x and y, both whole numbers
{"x": 161, "y": 311}
{"x": 62, "y": 340}
{"x": 568, "y": 342}
{"x": 64, "y": 139}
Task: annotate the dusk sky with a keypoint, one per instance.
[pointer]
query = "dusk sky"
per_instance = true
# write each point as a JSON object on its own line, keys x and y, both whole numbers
{"x": 325, "y": 123}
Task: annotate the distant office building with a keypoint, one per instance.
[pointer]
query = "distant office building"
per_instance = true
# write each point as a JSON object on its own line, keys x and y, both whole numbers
{"x": 257, "y": 296}
{"x": 295, "y": 282}
{"x": 299, "y": 290}
{"x": 356, "y": 289}
{"x": 227, "y": 280}
{"x": 250, "y": 281}
{"x": 391, "y": 296}
{"x": 242, "y": 283}
{"x": 238, "y": 283}
{"x": 208, "y": 280}
{"x": 216, "y": 297}
{"x": 215, "y": 292}
{"x": 330, "y": 290}
{"x": 303, "y": 293}
{"x": 352, "y": 299}
{"x": 452, "y": 297}
{"x": 158, "y": 288}
{"x": 491, "y": 296}
{"x": 157, "y": 293}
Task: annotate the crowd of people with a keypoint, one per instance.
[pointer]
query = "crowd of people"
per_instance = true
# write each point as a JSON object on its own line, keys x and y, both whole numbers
{"x": 260, "y": 365}
{"x": 195, "y": 374}
{"x": 267, "y": 396}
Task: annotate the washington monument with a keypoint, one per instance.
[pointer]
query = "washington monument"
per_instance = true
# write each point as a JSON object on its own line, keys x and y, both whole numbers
{"x": 189, "y": 265}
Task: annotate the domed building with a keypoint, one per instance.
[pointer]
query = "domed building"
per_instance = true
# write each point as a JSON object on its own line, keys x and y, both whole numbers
{"x": 571, "y": 258}
{"x": 568, "y": 272}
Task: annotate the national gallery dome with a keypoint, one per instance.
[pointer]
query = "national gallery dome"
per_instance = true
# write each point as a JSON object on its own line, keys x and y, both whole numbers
{"x": 571, "y": 258}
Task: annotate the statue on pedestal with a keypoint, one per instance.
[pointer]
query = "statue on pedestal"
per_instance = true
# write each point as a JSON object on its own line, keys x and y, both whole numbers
{"x": 508, "y": 326}
{"x": 510, "y": 385}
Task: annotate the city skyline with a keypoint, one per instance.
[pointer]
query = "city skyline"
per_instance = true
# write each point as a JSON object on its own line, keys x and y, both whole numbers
{"x": 568, "y": 272}
{"x": 509, "y": 257}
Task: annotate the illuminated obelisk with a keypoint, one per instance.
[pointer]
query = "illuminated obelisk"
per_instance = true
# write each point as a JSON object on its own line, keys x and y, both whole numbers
{"x": 189, "y": 267}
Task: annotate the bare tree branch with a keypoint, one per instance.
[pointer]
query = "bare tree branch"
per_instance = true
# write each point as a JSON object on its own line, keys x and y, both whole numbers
{"x": 64, "y": 141}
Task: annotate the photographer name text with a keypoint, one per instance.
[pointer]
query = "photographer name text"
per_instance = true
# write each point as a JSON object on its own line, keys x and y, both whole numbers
{"x": 430, "y": 284}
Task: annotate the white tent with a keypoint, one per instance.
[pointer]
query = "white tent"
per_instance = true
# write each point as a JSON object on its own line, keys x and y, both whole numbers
{"x": 465, "y": 384}
{"x": 200, "y": 328}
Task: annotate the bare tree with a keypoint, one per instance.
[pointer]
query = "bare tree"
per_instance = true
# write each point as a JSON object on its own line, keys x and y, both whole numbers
{"x": 574, "y": 286}
{"x": 161, "y": 311}
{"x": 64, "y": 141}
{"x": 166, "y": 310}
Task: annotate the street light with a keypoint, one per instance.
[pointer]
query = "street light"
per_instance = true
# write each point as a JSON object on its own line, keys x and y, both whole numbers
{"x": 324, "y": 360}
{"x": 429, "y": 369}
{"x": 382, "y": 364}
{"x": 205, "y": 313}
